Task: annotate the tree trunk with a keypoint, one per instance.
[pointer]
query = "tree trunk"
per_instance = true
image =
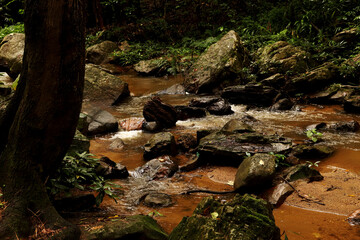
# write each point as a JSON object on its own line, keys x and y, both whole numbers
{"x": 40, "y": 121}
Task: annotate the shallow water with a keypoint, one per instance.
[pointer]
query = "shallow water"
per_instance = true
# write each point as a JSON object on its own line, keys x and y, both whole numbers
{"x": 298, "y": 223}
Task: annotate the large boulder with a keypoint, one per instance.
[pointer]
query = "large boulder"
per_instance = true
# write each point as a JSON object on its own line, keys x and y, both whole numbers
{"x": 133, "y": 227}
{"x": 11, "y": 53}
{"x": 155, "y": 67}
{"x": 221, "y": 62}
{"x": 162, "y": 113}
{"x": 231, "y": 148}
{"x": 162, "y": 143}
{"x": 314, "y": 80}
{"x": 100, "y": 53}
{"x": 252, "y": 94}
{"x": 255, "y": 172}
{"x": 244, "y": 217}
{"x": 101, "y": 85}
{"x": 281, "y": 57}
{"x": 99, "y": 121}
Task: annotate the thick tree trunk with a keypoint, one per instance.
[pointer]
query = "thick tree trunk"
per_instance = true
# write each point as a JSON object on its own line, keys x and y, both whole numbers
{"x": 40, "y": 121}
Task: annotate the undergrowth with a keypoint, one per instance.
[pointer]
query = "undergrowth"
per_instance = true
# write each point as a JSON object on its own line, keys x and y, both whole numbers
{"x": 79, "y": 172}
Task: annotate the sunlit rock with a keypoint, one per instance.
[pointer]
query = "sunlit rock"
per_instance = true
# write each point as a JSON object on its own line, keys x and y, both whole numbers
{"x": 101, "y": 53}
{"x": 11, "y": 53}
{"x": 255, "y": 172}
{"x": 218, "y": 66}
{"x": 282, "y": 57}
{"x": 162, "y": 143}
{"x": 101, "y": 85}
{"x": 153, "y": 67}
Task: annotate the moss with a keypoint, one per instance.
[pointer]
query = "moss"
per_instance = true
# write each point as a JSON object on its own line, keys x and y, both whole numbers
{"x": 245, "y": 217}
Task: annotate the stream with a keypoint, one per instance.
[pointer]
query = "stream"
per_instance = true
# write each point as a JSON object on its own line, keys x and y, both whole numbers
{"x": 297, "y": 222}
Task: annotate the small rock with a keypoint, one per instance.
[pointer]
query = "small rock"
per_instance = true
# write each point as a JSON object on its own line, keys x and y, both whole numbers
{"x": 185, "y": 112}
{"x": 163, "y": 114}
{"x": 131, "y": 124}
{"x": 237, "y": 126}
{"x": 282, "y": 104}
{"x": 160, "y": 144}
{"x": 117, "y": 144}
{"x": 252, "y": 94}
{"x": 354, "y": 218}
{"x": 255, "y": 172}
{"x": 156, "y": 169}
{"x": 215, "y": 105}
{"x": 302, "y": 171}
{"x": 111, "y": 170}
{"x": 100, "y": 122}
{"x": 280, "y": 193}
{"x": 156, "y": 67}
{"x": 157, "y": 200}
{"x": 350, "y": 126}
{"x": 304, "y": 151}
{"x": 174, "y": 89}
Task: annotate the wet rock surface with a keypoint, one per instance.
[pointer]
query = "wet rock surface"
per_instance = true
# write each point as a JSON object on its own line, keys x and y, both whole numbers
{"x": 244, "y": 217}
{"x": 252, "y": 94}
{"x": 215, "y": 105}
{"x": 162, "y": 113}
{"x": 302, "y": 171}
{"x": 111, "y": 170}
{"x": 185, "y": 112}
{"x": 156, "y": 169}
{"x": 280, "y": 193}
{"x": 224, "y": 148}
{"x": 100, "y": 122}
{"x": 160, "y": 144}
{"x": 158, "y": 200}
{"x": 255, "y": 172}
{"x": 221, "y": 62}
{"x": 305, "y": 151}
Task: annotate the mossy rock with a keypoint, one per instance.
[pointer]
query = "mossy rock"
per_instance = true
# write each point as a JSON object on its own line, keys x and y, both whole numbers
{"x": 243, "y": 218}
{"x": 302, "y": 171}
{"x": 133, "y": 227}
{"x": 305, "y": 151}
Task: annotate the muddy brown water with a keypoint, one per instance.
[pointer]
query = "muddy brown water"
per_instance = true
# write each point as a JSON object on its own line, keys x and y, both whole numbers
{"x": 297, "y": 222}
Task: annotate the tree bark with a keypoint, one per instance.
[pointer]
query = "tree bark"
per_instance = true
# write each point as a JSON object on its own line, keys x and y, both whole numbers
{"x": 39, "y": 123}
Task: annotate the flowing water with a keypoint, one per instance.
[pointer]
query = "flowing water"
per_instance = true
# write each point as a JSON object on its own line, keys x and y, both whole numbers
{"x": 298, "y": 223}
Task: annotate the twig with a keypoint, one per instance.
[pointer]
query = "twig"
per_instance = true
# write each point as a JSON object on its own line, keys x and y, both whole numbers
{"x": 302, "y": 196}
